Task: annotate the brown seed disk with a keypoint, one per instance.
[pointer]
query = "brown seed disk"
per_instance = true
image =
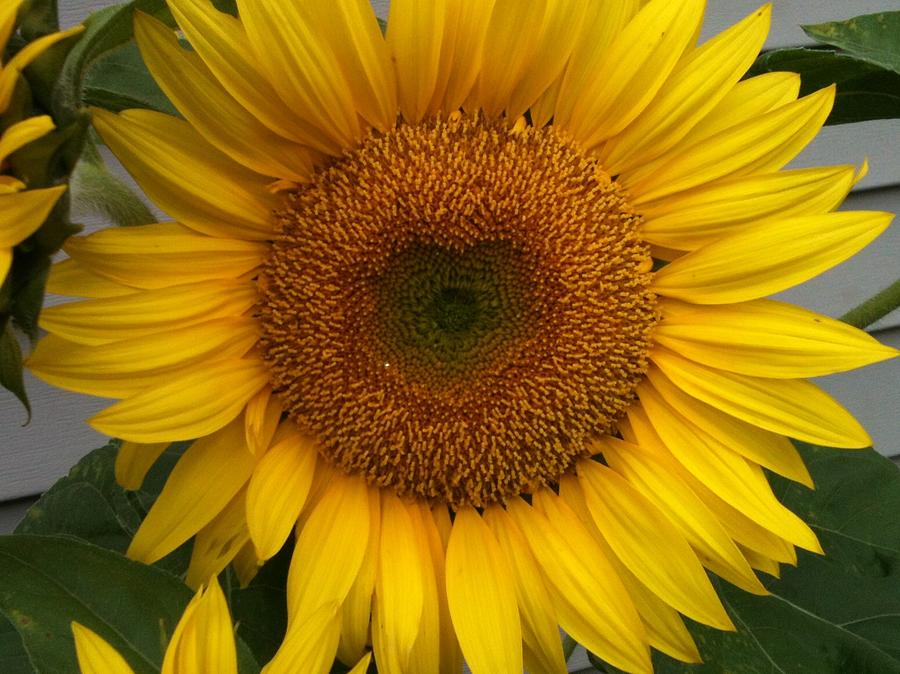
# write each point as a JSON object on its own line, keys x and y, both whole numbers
{"x": 454, "y": 308}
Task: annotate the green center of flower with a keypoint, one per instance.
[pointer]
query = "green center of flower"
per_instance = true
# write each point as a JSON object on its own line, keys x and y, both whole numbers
{"x": 454, "y": 309}
{"x": 444, "y": 314}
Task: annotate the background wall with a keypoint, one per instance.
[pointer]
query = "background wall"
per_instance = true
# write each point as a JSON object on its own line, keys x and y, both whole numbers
{"x": 33, "y": 456}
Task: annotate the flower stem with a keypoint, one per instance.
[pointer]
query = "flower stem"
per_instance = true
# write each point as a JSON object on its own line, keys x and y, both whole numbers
{"x": 875, "y": 307}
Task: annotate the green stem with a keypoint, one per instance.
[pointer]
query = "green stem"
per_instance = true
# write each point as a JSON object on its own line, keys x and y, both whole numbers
{"x": 874, "y": 308}
{"x": 568, "y": 646}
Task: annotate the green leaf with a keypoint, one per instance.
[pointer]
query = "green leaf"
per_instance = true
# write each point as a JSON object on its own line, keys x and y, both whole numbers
{"x": 48, "y": 581}
{"x": 88, "y": 503}
{"x": 13, "y": 656}
{"x": 11, "y": 368}
{"x": 121, "y": 80}
{"x": 833, "y": 614}
{"x": 106, "y": 31}
{"x": 871, "y": 37}
{"x": 95, "y": 189}
{"x": 864, "y": 91}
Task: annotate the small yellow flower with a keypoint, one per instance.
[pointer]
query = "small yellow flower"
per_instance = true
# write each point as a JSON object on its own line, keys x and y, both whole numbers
{"x": 21, "y": 211}
{"x": 414, "y": 309}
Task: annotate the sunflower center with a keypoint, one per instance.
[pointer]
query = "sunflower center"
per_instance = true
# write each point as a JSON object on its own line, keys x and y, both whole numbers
{"x": 444, "y": 314}
{"x": 454, "y": 309}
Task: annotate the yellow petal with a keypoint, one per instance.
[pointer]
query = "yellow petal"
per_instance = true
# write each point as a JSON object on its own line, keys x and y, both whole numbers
{"x": 203, "y": 640}
{"x": 769, "y": 339}
{"x": 415, "y": 35}
{"x": 513, "y": 38}
{"x": 482, "y": 598}
{"x": 765, "y": 143}
{"x": 192, "y": 405}
{"x": 5, "y": 262}
{"x": 771, "y": 450}
{"x": 437, "y": 527}
{"x": 362, "y": 666}
{"x": 95, "y": 656}
{"x": 261, "y": 421}
{"x": 21, "y": 133}
{"x": 125, "y": 368}
{"x": 357, "y": 608}
{"x": 109, "y": 319}
{"x": 220, "y": 119}
{"x": 219, "y": 542}
{"x": 222, "y": 43}
{"x": 8, "y": 12}
{"x": 768, "y": 257}
{"x": 740, "y": 527}
{"x": 205, "y": 479}
{"x": 797, "y": 409}
{"x": 309, "y": 645}
{"x": 698, "y": 83}
{"x": 635, "y": 529}
{"x": 634, "y": 68}
{"x": 351, "y": 30}
{"x": 301, "y": 66}
{"x": 553, "y": 45}
{"x": 651, "y": 475}
{"x": 699, "y": 216}
{"x": 761, "y": 562}
{"x": 591, "y": 602}
{"x": 729, "y": 475}
{"x": 278, "y": 491}
{"x": 747, "y": 101}
{"x": 403, "y": 568}
{"x": 462, "y": 46}
{"x": 603, "y": 22}
{"x": 540, "y": 630}
{"x": 187, "y": 177}
{"x": 22, "y": 213}
{"x": 70, "y": 278}
{"x": 133, "y": 460}
{"x": 245, "y": 563}
{"x": 329, "y": 550}
{"x": 9, "y": 74}
{"x": 665, "y": 627}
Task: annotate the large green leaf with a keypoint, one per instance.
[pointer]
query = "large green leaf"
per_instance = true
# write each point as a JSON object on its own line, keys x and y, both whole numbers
{"x": 88, "y": 503}
{"x": 837, "y": 614}
{"x": 864, "y": 91}
{"x": 13, "y": 656}
{"x": 872, "y": 37}
{"x": 47, "y": 582}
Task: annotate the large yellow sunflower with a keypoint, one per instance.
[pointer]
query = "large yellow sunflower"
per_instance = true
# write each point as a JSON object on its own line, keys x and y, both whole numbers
{"x": 21, "y": 212}
{"x": 410, "y": 311}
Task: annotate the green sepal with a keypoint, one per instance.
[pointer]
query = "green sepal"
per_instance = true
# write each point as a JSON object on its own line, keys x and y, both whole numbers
{"x": 97, "y": 190}
{"x": 11, "y": 367}
{"x": 38, "y": 17}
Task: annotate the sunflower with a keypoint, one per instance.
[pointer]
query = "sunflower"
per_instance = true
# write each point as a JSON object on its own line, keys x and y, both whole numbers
{"x": 203, "y": 641}
{"x": 474, "y": 308}
{"x": 21, "y": 212}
